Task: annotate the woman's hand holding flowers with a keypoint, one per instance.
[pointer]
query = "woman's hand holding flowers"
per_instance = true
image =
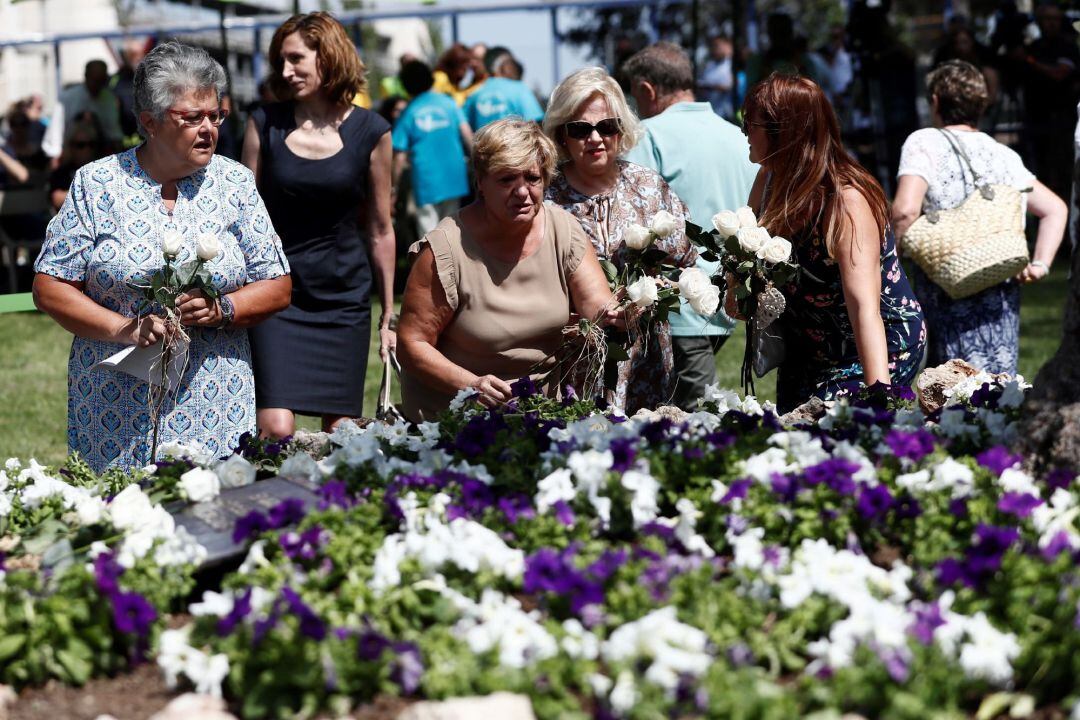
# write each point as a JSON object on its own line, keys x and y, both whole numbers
{"x": 198, "y": 310}
{"x": 491, "y": 390}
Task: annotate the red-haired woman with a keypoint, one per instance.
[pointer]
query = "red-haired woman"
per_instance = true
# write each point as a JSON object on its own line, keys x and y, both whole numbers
{"x": 323, "y": 167}
{"x": 851, "y": 316}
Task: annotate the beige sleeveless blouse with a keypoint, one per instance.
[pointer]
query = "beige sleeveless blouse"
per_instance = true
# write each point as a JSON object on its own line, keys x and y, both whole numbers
{"x": 508, "y": 316}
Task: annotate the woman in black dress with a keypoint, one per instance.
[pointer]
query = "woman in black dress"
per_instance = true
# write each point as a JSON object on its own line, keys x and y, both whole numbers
{"x": 323, "y": 168}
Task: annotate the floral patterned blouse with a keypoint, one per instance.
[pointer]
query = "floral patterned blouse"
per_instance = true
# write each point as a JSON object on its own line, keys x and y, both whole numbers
{"x": 647, "y": 378}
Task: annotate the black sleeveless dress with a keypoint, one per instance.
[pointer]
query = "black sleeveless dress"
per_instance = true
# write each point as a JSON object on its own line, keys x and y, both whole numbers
{"x": 311, "y": 358}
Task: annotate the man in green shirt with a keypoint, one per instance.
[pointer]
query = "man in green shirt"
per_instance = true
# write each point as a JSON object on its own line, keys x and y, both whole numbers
{"x": 706, "y": 160}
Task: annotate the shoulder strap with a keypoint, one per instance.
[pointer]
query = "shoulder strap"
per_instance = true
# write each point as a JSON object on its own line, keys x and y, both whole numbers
{"x": 965, "y": 161}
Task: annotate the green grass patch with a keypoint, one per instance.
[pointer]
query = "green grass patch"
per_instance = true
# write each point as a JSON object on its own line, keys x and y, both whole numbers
{"x": 34, "y": 352}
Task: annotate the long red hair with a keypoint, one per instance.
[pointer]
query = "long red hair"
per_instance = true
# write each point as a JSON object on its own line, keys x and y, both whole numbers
{"x": 809, "y": 167}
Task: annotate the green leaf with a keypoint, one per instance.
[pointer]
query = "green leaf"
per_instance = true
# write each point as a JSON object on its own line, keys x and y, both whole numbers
{"x": 78, "y": 669}
{"x": 610, "y": 271}
{"x": 10, "y": 645}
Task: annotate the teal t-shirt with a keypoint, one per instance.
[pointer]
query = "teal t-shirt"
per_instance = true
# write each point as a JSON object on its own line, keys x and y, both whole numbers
{"x": 501, "y": 97}
{"x": 706, "y": 161}
{"x": 429, "y": 130}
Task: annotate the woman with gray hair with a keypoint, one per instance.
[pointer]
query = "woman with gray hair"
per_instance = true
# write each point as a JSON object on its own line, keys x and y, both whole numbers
{"x": 935, "y": 174}
{"x": 110, "y": 233}
{"x": 591, "y": 124}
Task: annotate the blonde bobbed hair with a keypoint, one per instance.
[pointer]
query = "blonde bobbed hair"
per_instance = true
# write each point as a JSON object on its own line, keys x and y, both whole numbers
{"x": 576, "y": 90}
{"x": 513, "y": 144}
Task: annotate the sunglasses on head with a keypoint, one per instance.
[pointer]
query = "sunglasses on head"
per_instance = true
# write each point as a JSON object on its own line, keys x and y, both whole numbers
{"x": 580, "y": 130}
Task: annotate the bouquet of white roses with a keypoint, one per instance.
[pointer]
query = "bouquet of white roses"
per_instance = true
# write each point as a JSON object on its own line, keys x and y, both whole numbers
{"x": 755, "y": 264}
{"x": 159, "y": 295}
{"x": 647, "y": 287}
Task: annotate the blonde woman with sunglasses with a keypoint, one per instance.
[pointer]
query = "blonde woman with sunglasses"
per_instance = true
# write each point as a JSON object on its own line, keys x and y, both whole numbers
{"x": 591, "y": 125}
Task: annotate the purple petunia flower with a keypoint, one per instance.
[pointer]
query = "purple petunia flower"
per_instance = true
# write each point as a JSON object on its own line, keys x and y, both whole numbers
{"x": 107, "y": 572}
{"x": 623, "y": 453}
{"x": 737, "y": 491}
{"x": 836, "y": 473}
{"x": 1018, "y": 504}
{"x": 287, "y": 512}
{"x": 477, "y": 435}
{"x": 737, "y": 523}
{"x": 523, "y": 388}
{"x": 912, "y": 446}
{"x": 370, "y": 644}
{"x": 784, "y": 486}
{"x": 907, "y": 507}
{"x": 982, "y": 559}
{"x": 874, "y": 502}
{"x": 249, "y": 526}
{"x": 998, "y": 459}
{"x": 311, "y": 625}
{"x": 927, "y": 619}
{"x": 986, "y": 396}
{"x": 515, "y": 507}
{"x": 408, "y": 667}
{"x": 564, "y": 513}
{"x": 132, "y": 613}
{"x": 335, "y": 493}
{"x": 740, "y": 655}
{"x": 895, "y": 664}
{"x": 1058, "y": 544}
{"x": 302, "y": 546}
{"x": 241, "y": 609}
{"x": 958, "y": 507}
{"x": 1059, "y": 478}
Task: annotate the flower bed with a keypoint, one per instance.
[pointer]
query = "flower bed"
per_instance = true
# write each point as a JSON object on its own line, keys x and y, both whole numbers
{"x": 879, "y": 562}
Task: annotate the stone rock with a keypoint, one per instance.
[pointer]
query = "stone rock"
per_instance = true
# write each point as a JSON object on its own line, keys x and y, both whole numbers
{"x": 935, "y": 382}
{"x": 504, "y": 706}
{"x": 669, "y": 412}
{"x": 315, "y": 444}
{"x": 810, "y": 411}
{"x": 7, "y": 701}
{"x": 190, "y": 706}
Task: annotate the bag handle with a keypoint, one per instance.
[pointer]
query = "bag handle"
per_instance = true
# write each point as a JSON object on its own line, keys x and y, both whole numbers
{"x": 965, "y": 161}
{"x": 385, "y": 409}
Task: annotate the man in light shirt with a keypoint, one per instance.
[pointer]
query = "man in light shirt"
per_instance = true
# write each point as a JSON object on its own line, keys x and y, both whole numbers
{"x": 706, "y": 160}
{"x": 91, "y": 96}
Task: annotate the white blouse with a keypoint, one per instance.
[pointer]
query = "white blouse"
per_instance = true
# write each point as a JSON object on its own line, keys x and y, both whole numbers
{"x": 928, "y": 154}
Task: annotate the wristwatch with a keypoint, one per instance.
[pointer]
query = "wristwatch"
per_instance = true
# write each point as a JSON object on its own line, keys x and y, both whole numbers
{"x": 225, "y": 305}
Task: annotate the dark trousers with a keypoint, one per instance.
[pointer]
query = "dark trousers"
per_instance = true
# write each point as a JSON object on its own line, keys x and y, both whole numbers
{"x": 695, "y": 367}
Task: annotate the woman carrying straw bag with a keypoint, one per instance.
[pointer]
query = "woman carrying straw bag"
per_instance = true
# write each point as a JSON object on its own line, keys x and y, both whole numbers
{"x": 936, "y": 174}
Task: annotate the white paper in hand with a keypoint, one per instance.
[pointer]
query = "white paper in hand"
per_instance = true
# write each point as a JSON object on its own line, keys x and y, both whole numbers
{"x": 145, "y": 364}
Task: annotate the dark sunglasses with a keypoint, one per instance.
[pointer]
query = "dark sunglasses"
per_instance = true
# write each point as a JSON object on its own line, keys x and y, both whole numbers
{"x": 746, "y": 125}
{"x": 580, "y": 130}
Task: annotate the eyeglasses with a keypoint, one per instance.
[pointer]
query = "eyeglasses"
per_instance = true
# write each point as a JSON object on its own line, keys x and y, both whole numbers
{"x": 194, "y": 118}
{"x": 580, "y": 130}
{"x": 746, "y": 125}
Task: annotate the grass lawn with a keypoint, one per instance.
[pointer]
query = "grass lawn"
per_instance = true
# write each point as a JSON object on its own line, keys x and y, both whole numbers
{"x": 34, "y": 350}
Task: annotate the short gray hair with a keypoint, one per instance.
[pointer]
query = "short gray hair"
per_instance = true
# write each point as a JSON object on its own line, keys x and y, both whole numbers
{"x": 576, "y": 90}
{"x": 169, "y": 70}
{"x": 664, "y": 65}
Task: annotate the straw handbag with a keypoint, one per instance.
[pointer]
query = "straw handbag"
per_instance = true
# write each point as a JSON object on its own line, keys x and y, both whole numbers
{"x": 975, "y": 245}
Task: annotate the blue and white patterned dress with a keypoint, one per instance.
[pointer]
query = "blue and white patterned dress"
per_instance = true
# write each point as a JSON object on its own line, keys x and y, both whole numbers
{"x": 108, "y": 233}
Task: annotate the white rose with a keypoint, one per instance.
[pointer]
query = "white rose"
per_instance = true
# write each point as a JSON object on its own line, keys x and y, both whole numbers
{"x": 692, "y": 283}
{"x": 235, "y": 472}
{"x": 200, "y": 485}
{"x": 775, "y": 250}
{"x": 727, "y": 222}
{"x": 171, "y": 243}
{"x": 642, "y": 292}
{"x": 130, "y": 508}
{"x": 746, "y": 216}
{"x": 207, "y": 247}
{"x": 751, "y": 239}
{"x": 708, "y": 302}
{"x": 663, "y": 224}
{"x": 637, "y": 237}
{"x": 300, "y": 466}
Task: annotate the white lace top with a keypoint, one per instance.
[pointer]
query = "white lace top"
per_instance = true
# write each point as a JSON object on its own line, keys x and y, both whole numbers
{"x": 928, "y": 154}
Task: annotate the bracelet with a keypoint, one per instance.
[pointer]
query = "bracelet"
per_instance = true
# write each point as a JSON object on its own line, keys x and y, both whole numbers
{"x": 1040, "y": 263}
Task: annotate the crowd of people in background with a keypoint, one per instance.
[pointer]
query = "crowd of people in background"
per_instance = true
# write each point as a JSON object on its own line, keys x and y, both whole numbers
{"x": 460, "y": 158}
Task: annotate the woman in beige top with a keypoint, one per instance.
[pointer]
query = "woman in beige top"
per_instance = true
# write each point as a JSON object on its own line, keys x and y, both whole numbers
{"x": 493, "y": 286}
